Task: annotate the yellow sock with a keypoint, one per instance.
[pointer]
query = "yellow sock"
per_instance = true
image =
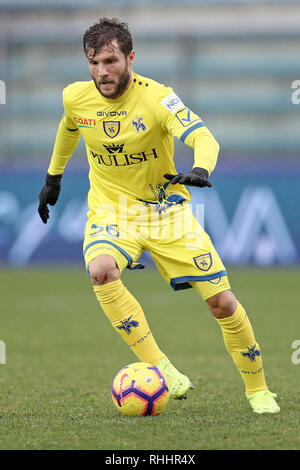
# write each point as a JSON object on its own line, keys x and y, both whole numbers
{"x": 240, "y": 343}
{"x": 128, "y": 319}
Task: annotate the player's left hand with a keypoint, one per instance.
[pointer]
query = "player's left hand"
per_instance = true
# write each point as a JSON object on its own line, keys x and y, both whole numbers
{"x": 196, "y": 177}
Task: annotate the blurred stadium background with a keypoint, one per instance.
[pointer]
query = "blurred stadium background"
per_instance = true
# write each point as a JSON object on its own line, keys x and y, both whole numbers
{"x": 234, "y": 62}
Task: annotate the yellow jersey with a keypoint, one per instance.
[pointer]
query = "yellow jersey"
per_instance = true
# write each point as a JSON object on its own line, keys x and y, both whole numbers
{"x": 130, "y": 141}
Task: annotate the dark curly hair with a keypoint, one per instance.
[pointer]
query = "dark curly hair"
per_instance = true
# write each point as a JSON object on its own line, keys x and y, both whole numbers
{"x": 103, "y": 32}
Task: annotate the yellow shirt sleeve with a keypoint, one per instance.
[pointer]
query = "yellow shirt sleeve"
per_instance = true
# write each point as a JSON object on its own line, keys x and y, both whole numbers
{"x": 188, "y": 127}
{"x": 66, "y": 141}
{"x": 206, "y": 150}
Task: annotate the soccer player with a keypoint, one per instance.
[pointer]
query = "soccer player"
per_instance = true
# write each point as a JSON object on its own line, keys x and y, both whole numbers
{"x": 138, "y": 202}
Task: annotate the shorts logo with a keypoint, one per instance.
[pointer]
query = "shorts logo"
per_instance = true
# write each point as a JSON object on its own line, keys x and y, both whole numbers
{"x": 252, "y": 353}
{"x": 184, "y": 117}
{"x": 126, "y": 325}
{"x": 111, "y": 128}
{"x": 162, "y": 201}
{"x": 203, "y": 262}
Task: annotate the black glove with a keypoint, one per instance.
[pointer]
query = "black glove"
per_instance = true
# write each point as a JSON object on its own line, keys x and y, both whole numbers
{"x": 49, "y": 195}
{"x": 196, "y": 177}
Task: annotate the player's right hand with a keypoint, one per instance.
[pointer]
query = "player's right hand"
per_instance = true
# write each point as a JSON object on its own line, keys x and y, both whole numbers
{"x": 49, "y": 195}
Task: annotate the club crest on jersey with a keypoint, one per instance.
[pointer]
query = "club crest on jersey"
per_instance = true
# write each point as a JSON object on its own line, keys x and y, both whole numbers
{"x": 111, "y": 128}
{"x": 203, "y": 262}
{"x": 138, "y": 124}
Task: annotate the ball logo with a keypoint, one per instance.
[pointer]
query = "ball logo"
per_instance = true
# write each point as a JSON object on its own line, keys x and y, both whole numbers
{"x": 140, "y": 389}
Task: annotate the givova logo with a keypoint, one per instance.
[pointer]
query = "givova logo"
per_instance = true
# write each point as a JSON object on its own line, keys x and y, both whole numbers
{"x": 2, "y": 92}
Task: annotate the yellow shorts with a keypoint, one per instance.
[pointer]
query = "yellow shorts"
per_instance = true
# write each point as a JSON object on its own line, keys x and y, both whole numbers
{"x": 179, "y": 246}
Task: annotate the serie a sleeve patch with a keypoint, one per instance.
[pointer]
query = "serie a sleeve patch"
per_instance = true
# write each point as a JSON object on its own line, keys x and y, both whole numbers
{"x": 172, "y": 103}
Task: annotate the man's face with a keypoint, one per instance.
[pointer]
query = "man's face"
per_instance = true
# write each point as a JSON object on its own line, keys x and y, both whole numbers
{"x": 110, "y": 69}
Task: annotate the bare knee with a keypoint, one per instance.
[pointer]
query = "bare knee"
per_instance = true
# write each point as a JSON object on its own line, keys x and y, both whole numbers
{"x": 103, "y": 269}
{"x": 222, "y": 305}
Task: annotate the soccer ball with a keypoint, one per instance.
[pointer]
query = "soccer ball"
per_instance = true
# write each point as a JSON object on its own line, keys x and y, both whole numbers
{"x": 140, "y": 389}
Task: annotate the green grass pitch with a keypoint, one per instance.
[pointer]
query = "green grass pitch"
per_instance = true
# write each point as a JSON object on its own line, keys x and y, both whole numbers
{"x": 62, "y": 355}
